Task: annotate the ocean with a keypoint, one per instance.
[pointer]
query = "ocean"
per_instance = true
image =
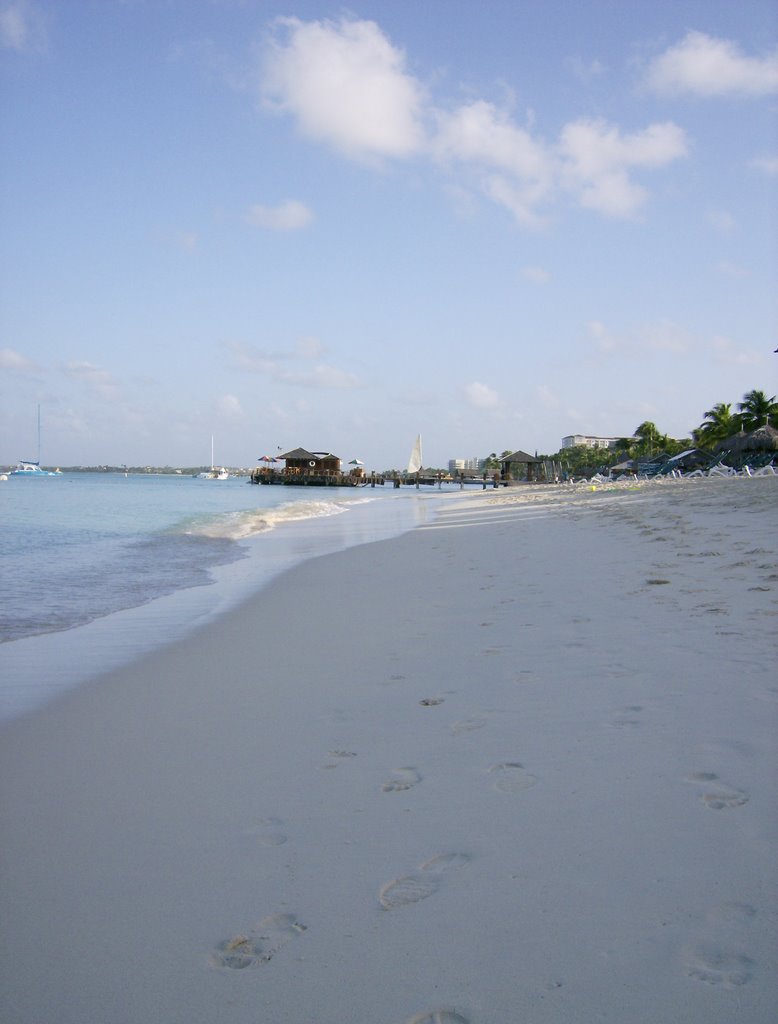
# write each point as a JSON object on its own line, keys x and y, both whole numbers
{"x": 98, "y": 568}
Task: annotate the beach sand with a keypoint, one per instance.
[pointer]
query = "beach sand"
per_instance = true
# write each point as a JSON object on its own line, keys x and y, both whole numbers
{"x": 518, "y": 765}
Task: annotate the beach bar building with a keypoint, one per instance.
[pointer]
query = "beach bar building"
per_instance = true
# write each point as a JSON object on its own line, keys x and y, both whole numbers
{"x": 308, "y": 469}
{"x": 302, "y": 463}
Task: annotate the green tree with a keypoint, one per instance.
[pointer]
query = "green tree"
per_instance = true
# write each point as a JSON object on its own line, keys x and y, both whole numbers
{"x": 757, "y": 409}
{"x": 719, "y": 423}
{"x": 649, "y": 440}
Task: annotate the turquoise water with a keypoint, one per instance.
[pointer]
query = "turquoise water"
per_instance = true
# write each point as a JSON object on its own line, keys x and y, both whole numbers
{"x": 96, "y": 569}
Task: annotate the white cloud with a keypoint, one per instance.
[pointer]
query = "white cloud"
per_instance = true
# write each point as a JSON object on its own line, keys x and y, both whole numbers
{"x": 721, "y": 220}
{"x": 483, "y": 134}
{"x": 230, "y": 408}
{"x": 100, "y": 381}
{"x": 346, "y": 85}
{"x": 729, "y": 352}
{"x": 547, "y": 398}
{"x": 705, "y": 66}
{"x": 602, "y": 338}
{"x": 767, "y": 164}
{"x": 22, "y": 28}
{"x": 282, "y": 366}
{"x": 309, "y": 347}
{"x": 596, "y": 159}
{"x": 586, "y": 71}
{"x": 14, "y": 361}
{"x": 481, "y": 396}
{"x": 640, "y": 341}
{"x": 592, "y": 159}
{"x": 665, "y": 337}
{"x": 290, "y": 215}
{"x": 537, "y": 275}
{"x": 730, "y": 269}
{"x": 322, "y": 377}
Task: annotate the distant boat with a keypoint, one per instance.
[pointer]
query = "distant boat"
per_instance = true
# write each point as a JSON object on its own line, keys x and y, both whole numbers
{"x": 414, "y": 463}
{"x": 213, "y": 473}
{"x": 25, "y": 468}
{"x": 33, "y": 469}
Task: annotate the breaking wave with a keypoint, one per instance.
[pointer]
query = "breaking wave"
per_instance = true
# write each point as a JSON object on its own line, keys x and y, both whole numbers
{"x": 247, "y": 523}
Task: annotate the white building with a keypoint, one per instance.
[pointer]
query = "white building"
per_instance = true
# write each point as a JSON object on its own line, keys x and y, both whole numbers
{"x": 456, "y": 466}
{"x": 573, "y": 440}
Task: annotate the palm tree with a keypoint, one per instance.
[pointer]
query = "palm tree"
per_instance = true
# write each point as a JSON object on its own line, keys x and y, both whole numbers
{"x": 649, "y": 439}
{"x": 757, "y": 410}
{"x": 719, "y": 423}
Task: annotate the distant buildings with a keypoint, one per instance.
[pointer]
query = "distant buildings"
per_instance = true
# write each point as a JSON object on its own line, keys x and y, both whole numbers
{"x": 574, "y": 440}
{"x": 457, "y": 466}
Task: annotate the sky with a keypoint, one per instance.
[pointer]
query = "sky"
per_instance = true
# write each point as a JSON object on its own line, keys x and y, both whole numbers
{"x": 493, "y": 223}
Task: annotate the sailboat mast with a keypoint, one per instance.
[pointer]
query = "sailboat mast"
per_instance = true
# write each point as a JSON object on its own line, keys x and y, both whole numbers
{"x": 39, "y": 435}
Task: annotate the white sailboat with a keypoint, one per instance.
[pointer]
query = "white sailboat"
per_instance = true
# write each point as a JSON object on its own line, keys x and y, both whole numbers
{"x": 26, "y": 468}
{"x": 414, "y": 463}
{"x": 213, "y": 473}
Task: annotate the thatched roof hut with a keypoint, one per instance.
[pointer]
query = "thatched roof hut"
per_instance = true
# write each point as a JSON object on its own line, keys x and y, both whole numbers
{"x": 763, "y": 439}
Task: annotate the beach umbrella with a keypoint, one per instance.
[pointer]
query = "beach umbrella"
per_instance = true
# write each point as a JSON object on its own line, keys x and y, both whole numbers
{"x": 266, "y": 458}
{"x": 356, "y": 462}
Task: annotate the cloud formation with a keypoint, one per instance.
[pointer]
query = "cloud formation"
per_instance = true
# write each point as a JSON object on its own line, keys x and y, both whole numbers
{"x": 22, "y": 28}
{"x": 537, "y": 275}
{"x": 291, "y": 215}
{"x": 766, "y": 164}
{"x": 347, "y": 86}
{"x": 481, "y": 396}
{"x": 14, "y": 361}
{"x": 641, "y": 341}
{"x": 702, "y": 65}
{"x": 301, "y": 367}
{"x": 597, "y": 158}
{"x": 97, "y": 379}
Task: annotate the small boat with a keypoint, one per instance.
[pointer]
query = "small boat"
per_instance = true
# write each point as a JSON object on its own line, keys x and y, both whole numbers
{"x": 214, "y": 473}
{"x": 33, "y": 469}
{"x": 414, "y": 463}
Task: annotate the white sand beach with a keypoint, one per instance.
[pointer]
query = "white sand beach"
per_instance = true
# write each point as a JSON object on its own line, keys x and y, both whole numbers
{"x": 517, "y": 766}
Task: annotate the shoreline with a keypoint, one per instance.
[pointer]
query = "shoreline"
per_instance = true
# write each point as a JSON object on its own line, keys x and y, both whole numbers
{"x": 39, "y": 667}
{"x": 521, "y": 766}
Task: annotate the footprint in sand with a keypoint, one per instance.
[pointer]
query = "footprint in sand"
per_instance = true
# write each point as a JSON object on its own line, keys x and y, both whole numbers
{"x": 267, "y": 832}
{"x": 718, "y": 957}
{"x": 468, "y": 725}
{"x": 712, "y": 965}
{"x": 719, "y": 797}
{"x": 439, "y": 1017}
{"x": 512, "y": 777}
{"x": 423, "y": 883}
{"x": 407, "y": 778}
{"x": 627, "y": 719}
{"x": 259, "y": 945}
{"x": 337, "y": 757}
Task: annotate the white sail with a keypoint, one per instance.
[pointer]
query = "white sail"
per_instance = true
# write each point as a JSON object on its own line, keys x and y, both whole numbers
{"x": 414, "y": 464}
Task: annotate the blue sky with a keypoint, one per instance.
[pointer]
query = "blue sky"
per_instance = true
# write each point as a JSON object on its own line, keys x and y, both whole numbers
{"x": 283, "y": 224}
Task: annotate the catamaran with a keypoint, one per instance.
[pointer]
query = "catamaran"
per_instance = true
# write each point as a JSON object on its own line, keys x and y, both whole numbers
{"x": 213, "y": 473}
{"x": 27, "y": 468}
